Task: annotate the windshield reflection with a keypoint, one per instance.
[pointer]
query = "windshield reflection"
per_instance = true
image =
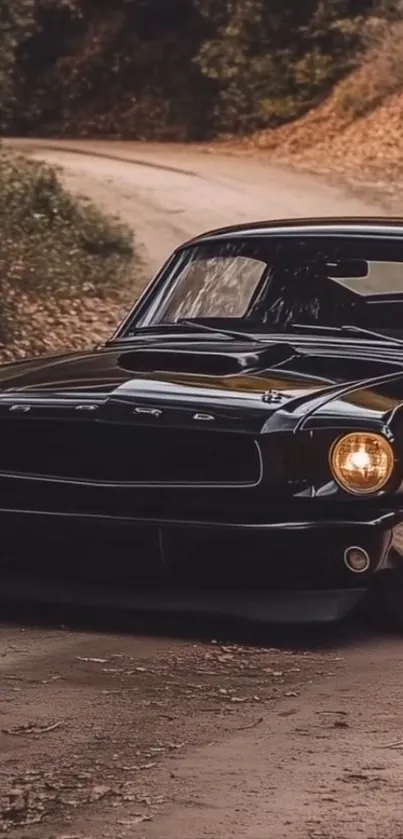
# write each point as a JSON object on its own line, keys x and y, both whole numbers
{"x": 273, "y": 283}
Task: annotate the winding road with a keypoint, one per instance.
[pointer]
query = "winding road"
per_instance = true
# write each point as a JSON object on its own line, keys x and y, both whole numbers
{"x": 112, "y": 728}
{"x": 171, "y": 193}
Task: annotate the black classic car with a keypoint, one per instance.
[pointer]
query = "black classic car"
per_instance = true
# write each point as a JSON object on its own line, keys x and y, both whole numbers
{"x": 236, "y": 446}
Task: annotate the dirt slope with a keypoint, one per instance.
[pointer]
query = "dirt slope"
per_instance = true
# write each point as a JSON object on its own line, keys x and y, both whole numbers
{"x": 373, "y": 143}
{"x": 366, "y": 150}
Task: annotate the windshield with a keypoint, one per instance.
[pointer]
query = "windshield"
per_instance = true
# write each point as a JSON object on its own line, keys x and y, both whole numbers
{"x": 274, "y": 284}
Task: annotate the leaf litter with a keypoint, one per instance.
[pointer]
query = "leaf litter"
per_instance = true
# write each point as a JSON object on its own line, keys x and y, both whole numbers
{"x": 118, "y": 766}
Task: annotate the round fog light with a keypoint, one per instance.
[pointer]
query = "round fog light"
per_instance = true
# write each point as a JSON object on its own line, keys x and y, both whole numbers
{"x": 356, "y": 559}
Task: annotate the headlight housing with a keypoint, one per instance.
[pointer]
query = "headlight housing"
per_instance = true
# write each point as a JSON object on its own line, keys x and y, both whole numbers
{"x": 362, "y": 463}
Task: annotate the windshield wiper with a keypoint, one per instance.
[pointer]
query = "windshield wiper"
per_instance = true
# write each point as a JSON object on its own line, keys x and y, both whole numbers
{"x": 359, "y": 330}
{"x": 173, "y": 330}
{"x": 348, "y": 329}
{"x": 188, "y": 325}
{"x": 228, "y": 333}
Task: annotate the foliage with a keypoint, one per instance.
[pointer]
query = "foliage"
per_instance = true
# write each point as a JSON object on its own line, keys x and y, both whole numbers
{"x": 176, "y": 69}
{"x": 113, "y": 67}
{"x": 53, "y": 246}
{"x": 381, "y": 68}
{"x": 16, "y": 26}
{"x": 273, "y": 59}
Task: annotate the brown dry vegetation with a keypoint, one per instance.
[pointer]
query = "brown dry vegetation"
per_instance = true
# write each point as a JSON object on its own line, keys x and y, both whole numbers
{"x": 66, "y": 270}
{"x": 358, "y": 129}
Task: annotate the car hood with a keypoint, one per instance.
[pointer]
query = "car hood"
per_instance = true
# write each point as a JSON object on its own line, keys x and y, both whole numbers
{"x": 301, "y": 378}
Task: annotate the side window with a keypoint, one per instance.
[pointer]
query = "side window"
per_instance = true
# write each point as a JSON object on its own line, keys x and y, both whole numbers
{"x": 216, "y": 287}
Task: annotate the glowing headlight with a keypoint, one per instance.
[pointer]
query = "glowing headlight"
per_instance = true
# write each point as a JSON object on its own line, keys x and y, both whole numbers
{"x": 362, "y": 463}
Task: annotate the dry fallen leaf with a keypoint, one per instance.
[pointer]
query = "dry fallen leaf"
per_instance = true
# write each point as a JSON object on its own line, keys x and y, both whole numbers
{"x": 250, "y": 725}
{"x": 93, "y": 660}
{"x": 135, "y": 820}
{"x": 29, "y": 728}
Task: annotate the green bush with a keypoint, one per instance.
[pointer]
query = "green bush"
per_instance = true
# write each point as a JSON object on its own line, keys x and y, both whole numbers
{"x": 54, "y": 247}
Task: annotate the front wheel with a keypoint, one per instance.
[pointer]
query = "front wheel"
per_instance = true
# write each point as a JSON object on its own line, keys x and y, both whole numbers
{"x": 385, "y": 606}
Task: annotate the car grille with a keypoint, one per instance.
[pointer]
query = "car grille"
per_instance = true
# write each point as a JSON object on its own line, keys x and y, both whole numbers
{"x": 98, "y": 452}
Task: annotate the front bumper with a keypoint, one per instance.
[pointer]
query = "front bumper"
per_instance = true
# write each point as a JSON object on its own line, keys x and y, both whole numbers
{"x": 272, "y": 607}
{"x": 279, "y": 555}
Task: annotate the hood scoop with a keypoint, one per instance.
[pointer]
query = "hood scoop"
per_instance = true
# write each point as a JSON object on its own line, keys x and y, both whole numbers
{"x": 207, "y": 362}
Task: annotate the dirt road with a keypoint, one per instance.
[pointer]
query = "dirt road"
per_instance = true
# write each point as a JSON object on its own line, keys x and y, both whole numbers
{"x": 171, "y": 193}
{"x": 111, "y": 730}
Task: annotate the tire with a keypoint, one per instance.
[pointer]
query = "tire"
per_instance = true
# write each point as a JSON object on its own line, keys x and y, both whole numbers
{"x": 385, "y": 606}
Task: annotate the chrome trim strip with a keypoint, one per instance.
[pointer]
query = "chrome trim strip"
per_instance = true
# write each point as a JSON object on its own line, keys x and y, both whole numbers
{"x": 327, "y": 524}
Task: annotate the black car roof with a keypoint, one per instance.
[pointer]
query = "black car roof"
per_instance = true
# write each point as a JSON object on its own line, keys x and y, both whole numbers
{"x": 354, "y": 226}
